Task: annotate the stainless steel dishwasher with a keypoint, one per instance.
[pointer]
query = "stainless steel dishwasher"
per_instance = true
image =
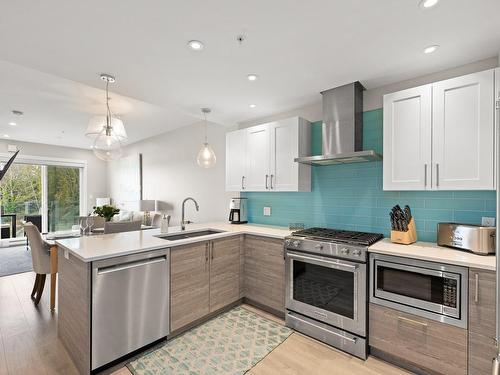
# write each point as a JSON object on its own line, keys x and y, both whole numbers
{"x": 130, "y": 304}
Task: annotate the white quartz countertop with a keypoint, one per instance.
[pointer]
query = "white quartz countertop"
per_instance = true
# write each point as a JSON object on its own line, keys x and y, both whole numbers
{"x": 98, "y": 247}
{"x": 434, "y": 253}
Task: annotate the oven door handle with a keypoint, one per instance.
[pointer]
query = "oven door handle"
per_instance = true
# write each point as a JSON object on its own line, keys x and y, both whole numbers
{"x": 333, "y": 264}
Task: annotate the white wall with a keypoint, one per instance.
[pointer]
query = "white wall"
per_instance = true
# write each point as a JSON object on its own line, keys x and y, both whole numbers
{"x": 372, "y": 98}
{"x": 170, "y": 172}
{"x": 96, "y": 169}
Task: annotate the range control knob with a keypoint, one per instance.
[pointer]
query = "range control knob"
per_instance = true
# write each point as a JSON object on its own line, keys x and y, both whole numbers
{"x": 344, "y": 251}
{"x": 296, "y": 243}
{"x": 356, "y": 252}
{"x": 319, "y": 246}
{"x": 288, "y": 242}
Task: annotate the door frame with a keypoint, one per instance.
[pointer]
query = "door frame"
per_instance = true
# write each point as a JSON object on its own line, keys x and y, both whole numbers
{"x": 59, "y": 162}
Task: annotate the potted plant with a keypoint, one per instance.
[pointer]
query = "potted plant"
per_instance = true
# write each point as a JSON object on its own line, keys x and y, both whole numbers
{"x": 106, "y": 211}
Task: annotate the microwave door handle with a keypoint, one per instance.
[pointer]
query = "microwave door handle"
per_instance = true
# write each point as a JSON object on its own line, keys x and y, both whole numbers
{"x": 347, "y": 267}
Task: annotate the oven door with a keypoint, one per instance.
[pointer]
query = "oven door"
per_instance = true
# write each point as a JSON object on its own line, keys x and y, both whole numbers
{"x": 330, "y": 290}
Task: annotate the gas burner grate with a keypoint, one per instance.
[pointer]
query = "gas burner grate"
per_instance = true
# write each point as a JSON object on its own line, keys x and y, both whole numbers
{"x": 337, "y": 235}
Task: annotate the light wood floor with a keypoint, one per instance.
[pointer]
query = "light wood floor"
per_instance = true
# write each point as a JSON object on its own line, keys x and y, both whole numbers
{"x": 29, "y": 343}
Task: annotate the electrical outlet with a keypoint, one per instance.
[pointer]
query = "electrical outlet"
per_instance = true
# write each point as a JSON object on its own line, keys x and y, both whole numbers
{"x": 488, "y": 221}
{"x": 267, "y": 211}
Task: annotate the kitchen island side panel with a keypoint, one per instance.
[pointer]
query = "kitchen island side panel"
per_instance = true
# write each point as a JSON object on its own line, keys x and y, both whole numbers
{"x": 74, "y": 309}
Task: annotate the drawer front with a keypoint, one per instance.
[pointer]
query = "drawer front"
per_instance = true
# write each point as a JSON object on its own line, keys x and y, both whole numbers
{"x": 482, "y": 302}
{"x": 427, "y": 344}
{"x": 481, "y": 353}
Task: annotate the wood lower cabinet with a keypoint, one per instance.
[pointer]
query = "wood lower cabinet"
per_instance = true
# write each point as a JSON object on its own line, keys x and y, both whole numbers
{"x": 224, "y": 272}
{"x": 481, "y": 321}
{"x": 205, "y": 277}
{"x": 265, "y": 272}
{"x": 427, "y": 344}
{"x": 189, "y": 284}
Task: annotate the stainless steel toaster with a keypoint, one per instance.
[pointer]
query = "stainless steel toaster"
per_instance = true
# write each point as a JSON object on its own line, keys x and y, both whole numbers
{"x": 474, "y": 238}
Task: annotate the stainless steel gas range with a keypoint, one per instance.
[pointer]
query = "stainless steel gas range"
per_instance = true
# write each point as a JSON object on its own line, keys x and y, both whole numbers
{"x": 326, "y": 286}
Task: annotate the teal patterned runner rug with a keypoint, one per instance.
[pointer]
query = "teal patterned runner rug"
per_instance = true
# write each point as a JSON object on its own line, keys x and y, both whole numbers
{"x": 229, "y": 344}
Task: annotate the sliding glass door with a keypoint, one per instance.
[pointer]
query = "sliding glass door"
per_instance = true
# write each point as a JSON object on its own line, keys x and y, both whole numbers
{"x": 21, "y": 196}
{"x": 63, "y": 197}
{"x": 48, "y": 195}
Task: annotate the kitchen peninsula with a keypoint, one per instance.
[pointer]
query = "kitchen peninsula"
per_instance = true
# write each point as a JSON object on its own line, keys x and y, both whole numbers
{"x": 131, "y": 289}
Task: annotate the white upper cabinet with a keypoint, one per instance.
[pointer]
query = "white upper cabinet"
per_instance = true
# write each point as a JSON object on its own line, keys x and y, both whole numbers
{"x": 290, "y": 139}
{"x": 257, "y": 158}
{"x": 441, "y": 136}
{"x": 463, "y": 132}
{"x": 235, "y": 160}
{"x": 407, "y": 139}
{"x": 269, "y": 151}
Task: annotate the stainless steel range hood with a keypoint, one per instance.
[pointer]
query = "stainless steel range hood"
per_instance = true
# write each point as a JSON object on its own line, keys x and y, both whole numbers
{"x": 342, "y": 133}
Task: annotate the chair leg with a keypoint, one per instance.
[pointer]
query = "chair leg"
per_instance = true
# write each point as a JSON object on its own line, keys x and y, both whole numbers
{"x": 35, "y": 286}
{"x": 41, "y": 284}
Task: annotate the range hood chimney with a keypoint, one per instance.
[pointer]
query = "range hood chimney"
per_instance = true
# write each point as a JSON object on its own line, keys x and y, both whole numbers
{"x": 342, "y": 132}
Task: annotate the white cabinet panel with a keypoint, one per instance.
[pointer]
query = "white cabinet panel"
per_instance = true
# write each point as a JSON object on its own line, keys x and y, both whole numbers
{"x": 257, "y": 158}
{"x": 235, "y": 160}
{"x": 407, "y": 139}
{"x": 463, "y": 132}
{"x": 290, "y": 139}
{"x": 262, "y": 157}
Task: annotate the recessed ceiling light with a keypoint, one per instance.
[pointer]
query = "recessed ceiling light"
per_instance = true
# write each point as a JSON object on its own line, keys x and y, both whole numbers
{"x": 252, "y": 77}
{"x": 253, "y": 105}
{"x": 6, "y": 136}
{"x": 431, "y": 49}
{"x": 12, "y": 123}
{"x": 426, "y": 4}
{"x": 195, "y": 45}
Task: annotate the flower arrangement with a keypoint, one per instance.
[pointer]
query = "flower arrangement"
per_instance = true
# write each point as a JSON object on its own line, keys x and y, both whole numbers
{"x": 106, "y": 211}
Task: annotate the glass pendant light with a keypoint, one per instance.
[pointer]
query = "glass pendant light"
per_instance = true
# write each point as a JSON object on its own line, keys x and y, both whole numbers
{"x": 107, "y": 144}
{"x": 206, "y": 156}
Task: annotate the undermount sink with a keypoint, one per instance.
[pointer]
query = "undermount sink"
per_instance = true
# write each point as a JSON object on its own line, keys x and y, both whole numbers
{"x": 183, "y": 236}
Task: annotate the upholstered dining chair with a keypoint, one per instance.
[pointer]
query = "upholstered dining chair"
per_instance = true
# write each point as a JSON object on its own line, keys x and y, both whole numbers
{"x": 41, "y": 259}
{"x": 121, "y": 226}
{"x": 156, "y": 220}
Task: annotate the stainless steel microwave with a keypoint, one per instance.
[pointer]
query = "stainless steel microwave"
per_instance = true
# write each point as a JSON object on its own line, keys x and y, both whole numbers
{"x": 428, "y": 289}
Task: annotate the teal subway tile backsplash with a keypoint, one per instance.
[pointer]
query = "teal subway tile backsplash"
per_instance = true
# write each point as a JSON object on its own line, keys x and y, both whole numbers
{"x": 350, "y": 196}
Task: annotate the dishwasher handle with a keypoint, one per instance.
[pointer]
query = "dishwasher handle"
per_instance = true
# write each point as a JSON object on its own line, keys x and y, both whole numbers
{"x": 128, "y": 265}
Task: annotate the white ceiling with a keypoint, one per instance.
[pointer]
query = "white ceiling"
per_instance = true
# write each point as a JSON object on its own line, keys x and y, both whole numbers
{"x": 298, "y": 48}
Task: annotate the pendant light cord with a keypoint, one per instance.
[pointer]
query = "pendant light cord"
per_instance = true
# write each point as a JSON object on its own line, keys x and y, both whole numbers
{"x": 206, "y": 126}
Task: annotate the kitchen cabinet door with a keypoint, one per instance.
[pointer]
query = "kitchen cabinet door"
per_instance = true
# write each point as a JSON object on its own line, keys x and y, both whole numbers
{"x": 290, "y": 138}
{"x": 482, "y": 310}
{"x": 235, "y": 160}
{"x": 463, "y": 132}
{"x": 189, "y": 284}
{"x": 265, "y": 272}
{"x": 434, "y": 347}
{"x": 257, "y": 158}
{"x": 224, "y": 272}
{"x": 407, "y": 139}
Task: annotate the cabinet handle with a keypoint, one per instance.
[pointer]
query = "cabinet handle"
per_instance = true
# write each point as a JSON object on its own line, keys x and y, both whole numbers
{"x": 242, "y": 182}
{"x": 476, "y": 288}
{"x": 425, "y": 175}
{"x": 206, "y": 255}
{"x": 272, "y": 182}
{"x": 212, "y": 250}
{"x": 267, "y": 176}
{"x": 411, "y": 321}
{"x": 437, "y": 174}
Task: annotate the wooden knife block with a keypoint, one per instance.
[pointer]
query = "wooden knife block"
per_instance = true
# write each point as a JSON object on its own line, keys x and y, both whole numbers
{"x": 405, "y": 238}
